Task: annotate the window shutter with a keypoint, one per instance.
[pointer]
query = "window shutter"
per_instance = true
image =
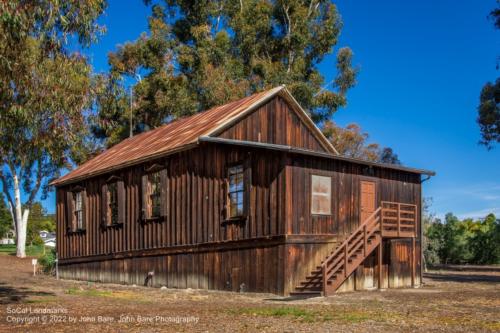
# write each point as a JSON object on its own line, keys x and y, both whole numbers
{"x": 144, "y": 195}
{"x": 164, "y": 192}
{"x": 84, "y": 209}
{"x": 69, "y": 211}
{"x": 104, "y": 205}
{"x": 121, "y": 201}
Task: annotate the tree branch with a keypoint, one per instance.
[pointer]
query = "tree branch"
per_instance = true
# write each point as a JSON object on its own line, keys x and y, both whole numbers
{"x": 5, "y": 189}
{"x": 38, "y": 183}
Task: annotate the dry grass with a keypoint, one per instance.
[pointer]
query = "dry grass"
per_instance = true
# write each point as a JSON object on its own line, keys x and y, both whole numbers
{"x": 450, "y": 301}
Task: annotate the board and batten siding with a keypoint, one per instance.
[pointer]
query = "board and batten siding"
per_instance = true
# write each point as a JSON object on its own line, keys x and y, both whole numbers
{"x": 196, "y": 201}
{"x": 274, "y": 122}
{"x": 345, "y": 217}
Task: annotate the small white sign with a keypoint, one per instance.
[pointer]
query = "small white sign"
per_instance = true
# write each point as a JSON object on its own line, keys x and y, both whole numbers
{"x": 34, "y": 261}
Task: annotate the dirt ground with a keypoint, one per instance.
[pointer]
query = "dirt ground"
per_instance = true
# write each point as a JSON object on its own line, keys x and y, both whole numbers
{"x": 455, "y": 299}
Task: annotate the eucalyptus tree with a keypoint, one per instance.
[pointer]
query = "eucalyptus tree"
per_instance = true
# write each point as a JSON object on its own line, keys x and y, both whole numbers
{"x": 198, "y": 54}
{"x": 489, "y": 101}
{"x": 45, "y": 90}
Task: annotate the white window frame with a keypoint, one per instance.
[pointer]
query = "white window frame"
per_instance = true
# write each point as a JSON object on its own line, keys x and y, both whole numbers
{"x": 328, "y": 194}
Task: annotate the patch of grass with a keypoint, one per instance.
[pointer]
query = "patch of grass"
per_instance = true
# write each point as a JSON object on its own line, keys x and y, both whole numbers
{"x": 356, "y": 317}
{"x": 294, "y": 312}
{"x": 89, "y": 292}
{"x": 41, "y": 299}
{"x": 117, "y": 294}
{"x": 31, "y": 250}
{"x": 7, "y": 249}
{"x": 314, "y": 315}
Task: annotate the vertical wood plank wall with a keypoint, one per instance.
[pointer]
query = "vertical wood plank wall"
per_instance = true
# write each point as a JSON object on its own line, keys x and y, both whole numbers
{"x": 279, "y": 206}
{"x": 391, "y": 185}
{"x": 197, "y": 198}
{"x": 274, "y": 122}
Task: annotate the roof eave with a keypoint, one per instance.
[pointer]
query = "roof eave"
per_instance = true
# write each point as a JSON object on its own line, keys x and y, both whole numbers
{"x": 68, "y": 181}
{"x": 308, "y": 152}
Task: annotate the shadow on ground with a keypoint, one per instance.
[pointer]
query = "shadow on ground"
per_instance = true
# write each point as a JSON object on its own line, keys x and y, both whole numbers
{"x": 450, "y": 277}
{"x": 467, "y": 268}
{"x": 10, "y": 295}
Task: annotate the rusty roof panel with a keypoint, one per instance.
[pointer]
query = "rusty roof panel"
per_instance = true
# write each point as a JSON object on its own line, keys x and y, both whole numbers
{"x": 167, "y": 138}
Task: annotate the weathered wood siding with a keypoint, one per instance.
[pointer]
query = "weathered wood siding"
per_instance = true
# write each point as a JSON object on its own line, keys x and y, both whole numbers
{"x": 194, "y": 247}
{"x": 258, "y": 269}
{"x": 196, "y": 203}
{"x": 391, "y": 185}
{"x": 276, "y": 123}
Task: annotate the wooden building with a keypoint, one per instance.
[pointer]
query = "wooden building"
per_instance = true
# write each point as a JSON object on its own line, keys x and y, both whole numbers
{"x": 248, "y": 196}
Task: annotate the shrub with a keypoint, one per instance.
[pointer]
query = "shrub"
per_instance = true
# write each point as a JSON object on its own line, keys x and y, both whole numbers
{"x": 48, "y": 261}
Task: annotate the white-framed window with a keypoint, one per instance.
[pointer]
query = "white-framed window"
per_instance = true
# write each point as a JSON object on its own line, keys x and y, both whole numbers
{"x": 78, "y": 199}
{"x": 236, "y": 191}
{"x": 321, "y": 195}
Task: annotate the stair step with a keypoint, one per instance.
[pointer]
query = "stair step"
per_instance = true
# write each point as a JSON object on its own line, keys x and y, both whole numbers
{"x": 306, "y": 284}
{"x": 305, "y": 294}
{"x": 310, "y": 288}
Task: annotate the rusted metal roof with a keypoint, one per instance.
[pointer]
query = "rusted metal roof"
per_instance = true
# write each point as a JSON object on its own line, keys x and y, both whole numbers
{"x": 181, "y": 134}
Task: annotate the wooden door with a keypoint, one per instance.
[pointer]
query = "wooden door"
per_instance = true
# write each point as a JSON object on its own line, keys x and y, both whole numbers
{"x": 368, "y": 203}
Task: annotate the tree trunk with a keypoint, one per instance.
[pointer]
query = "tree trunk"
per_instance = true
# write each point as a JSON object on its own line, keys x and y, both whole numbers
{"x": 21, "y": 220}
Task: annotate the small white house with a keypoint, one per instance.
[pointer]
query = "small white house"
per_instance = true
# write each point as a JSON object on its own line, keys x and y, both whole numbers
{"x": 51, "y": 242}
{"x": 9, "y": 239}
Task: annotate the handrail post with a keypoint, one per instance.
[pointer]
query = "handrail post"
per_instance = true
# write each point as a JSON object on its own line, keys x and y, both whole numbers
{"x": 365, "y": 241}
{"x": 323, "y": 268}
{"x": 399, "y": 218}
{"x": 345, "y": 260}
{"x": 414, "y": 221}
{"x": 381, "y": 220}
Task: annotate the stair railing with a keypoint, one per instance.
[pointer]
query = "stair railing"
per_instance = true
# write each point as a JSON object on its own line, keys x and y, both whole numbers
{"x": 398, "y": 219}
{"x": 340, "y": 257}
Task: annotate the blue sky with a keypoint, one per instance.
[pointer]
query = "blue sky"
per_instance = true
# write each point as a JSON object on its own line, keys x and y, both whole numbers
{"x": 422, "y": 66}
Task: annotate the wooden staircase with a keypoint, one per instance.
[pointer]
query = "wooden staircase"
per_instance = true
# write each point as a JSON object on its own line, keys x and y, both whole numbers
{"x": 390, "y": 220}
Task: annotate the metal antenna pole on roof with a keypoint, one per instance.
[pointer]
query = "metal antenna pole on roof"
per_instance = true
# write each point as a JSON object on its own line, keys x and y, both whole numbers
{"x": 131, "y": 123}
{"x": 131, "y": 132}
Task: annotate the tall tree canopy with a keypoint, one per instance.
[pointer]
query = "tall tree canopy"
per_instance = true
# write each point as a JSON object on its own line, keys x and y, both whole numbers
{"x": 198, "y": 54}
{"x": 489, "y": 102}
{"x": 351, "y": 141}
{"x": 44, "y": 89}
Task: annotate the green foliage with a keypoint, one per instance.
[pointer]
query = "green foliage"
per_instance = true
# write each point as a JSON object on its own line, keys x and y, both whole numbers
{"x": 486, "y": 241}
{"x": 31, "y": 250}
{"x": 489, "y": 113}
{"x": 462, "y": 242}
{"x": 48, "y": 261}
{"x": 352, "y": 142}
{"x": 45, "y": 93}
{"x": 39, "y": 220}
{"x": 489, "y": 101}
{"x": 200, "y": 54}
{"x": 5, "y": 218}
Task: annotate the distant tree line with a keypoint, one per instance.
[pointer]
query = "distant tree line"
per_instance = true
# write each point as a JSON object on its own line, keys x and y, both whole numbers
{"x": 467, "y": 241}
